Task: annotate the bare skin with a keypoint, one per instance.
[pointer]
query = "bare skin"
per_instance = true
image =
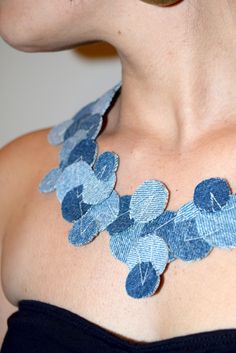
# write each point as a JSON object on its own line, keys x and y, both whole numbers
{"x": 175, "y": 121}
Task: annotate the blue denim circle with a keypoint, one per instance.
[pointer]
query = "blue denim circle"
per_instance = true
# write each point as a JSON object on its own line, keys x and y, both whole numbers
{"x": 142, "y": 281}
{"x": 211, "y": 194}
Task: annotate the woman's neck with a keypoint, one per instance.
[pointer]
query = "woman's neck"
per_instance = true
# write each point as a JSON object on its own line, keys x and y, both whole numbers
{"x": 178, "y": 70}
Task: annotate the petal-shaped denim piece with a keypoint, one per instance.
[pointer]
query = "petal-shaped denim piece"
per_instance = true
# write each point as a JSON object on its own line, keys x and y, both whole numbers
{"x": 69, "y": 145}
{"x": 73, "y": 176}
{"x": 123, "y": 220}
{"x": 105, "y": 213}
{"x": 186, "y": 212}
{"x": 103, "y": 102}
{"x": 219, "y": 228}
{"x": 106, "y": 165}
{"x": 186, "y": 242}
{"x": 150, "y": 248}
{"x": 48, "y": 183}
{"x": 73, "y": 206}
{"x": 162, "y": 226}
{"x": 148, "y": 201}
{"x": 142, "y": 281}
{"x": 121, "y": 243}
{"x": 72, "y": 129}
{"x": 84, "y": 111}
{"x": 95, "y": 190}
{"x": 92, "y": 124}
{"x": 56, "y": 134}
{"x": 85, "y": 150}
{"x": 83, "y": 231}
{"x": 211, "y": 194}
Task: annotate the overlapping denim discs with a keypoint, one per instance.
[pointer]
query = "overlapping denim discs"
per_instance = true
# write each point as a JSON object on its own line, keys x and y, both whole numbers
{"x": 143, "y": 233}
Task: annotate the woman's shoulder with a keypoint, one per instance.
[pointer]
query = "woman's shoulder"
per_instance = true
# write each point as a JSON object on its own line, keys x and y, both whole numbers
{"x": 22, "y": 161}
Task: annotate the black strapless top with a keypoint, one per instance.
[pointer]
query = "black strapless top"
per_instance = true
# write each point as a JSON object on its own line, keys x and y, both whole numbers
{"x": 39, "y": 327}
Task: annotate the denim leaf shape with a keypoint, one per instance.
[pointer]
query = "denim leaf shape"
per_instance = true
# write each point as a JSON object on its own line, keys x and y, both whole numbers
{"x": 186, "y": 212}
{"x": 85, "y": 150}
{"x": 186, "y": 243}
{"x": 121, "y": 243}
{"x": 84, "y": 231}
{"x": 123, "y": 220}
{"x": 48, "y": 183}
{"x": 219, "y": 228}
{"x": 163, "y": 226}
{"x": 96, "y": 190}
{"x": 84, "y": 111}
{"x": 69, "y": 145}
{"x": 150, "y": 248}
{"x": 142, "y": 281}
{"x": 73, "y": 176}
{"x": 56, "y": 134}
{"x": 106, "y": 165}
{"x": 211, "y": 194}
{"x": 148, "y": 201}
{"x": 105, "y": 213}
{"x": 73, "y": 206}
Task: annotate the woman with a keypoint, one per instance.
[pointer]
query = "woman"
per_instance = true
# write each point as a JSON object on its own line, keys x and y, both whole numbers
{"x": 174, "y": 120}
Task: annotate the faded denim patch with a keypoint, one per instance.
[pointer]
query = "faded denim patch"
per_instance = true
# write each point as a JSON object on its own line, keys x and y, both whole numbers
{"x": 143, "y": 233}
{"x": 219, "y": 228}
{"x": 123, "y": 220}
{"x": 142, "y": 281}
{"x": 122, "y": 242}
{"x": 49, "y": 182}
{"x": 148, "y": 201}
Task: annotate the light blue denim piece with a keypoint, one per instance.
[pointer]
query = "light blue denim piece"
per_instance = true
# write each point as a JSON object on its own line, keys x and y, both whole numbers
{"x": 69, "y": 145}
{"x": 143, "y": 233}
{"x": 150, "y": 248}
{"x": 148, "y": 201}
{"x": 122, "y": 242}
{"x": 219, "y": 228}
{"x": 48, "y": 183}
{"x": 56, "y": 134}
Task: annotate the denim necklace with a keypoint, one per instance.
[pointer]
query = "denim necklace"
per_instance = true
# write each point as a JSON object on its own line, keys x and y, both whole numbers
{"x": 143, "y": 234}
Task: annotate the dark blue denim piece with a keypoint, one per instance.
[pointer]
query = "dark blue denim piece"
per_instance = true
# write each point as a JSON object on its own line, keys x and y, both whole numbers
{"x": 142, "y": 281}
{"x": 148, "y": 201}
{"x": 123, "y": 220}
{"x": 73, "y": 206}
{"x": 162, "y": 226}
{"x": 106, "y": 165}
{"x": 48, "y": 183}
{"x": 143, "y": 234}
{"x": 85, "y": 150}
{"x": 211, "y": 194}
{"x": 186, "y": 243}
{"x": 84, "y": 231}
{"x": 69, "y": 145}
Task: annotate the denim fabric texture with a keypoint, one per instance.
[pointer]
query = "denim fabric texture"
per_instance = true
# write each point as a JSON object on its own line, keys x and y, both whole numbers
{"x": 143, "y": 233}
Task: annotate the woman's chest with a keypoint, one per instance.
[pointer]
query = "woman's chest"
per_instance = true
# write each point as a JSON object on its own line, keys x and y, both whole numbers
{"x": 40, "y": 263}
